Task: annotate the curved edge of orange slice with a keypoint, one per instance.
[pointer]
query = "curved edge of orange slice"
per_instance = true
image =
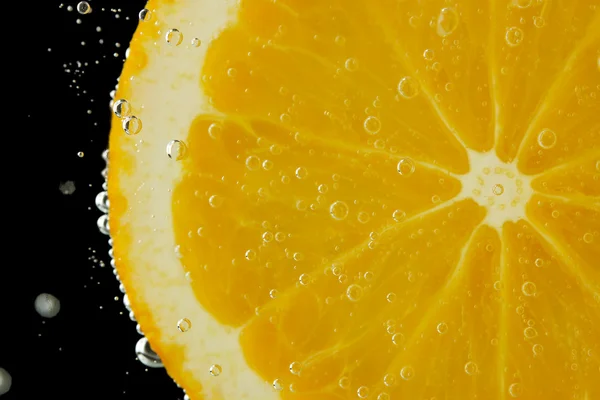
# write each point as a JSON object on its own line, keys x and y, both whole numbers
{"x": 134, "y": 201}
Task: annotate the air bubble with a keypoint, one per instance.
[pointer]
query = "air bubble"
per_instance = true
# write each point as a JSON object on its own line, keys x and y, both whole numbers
{"x": 406, "y": 167}
{"x": 354, "y": 292}
{"x": 498, "y": 189}
{"x": 195, "y": 42}
{"x": 277, "y": 385}
{"x": 398, "y": 339}
{"x": 470, "y": 368}
{"x": 339, "y": 210}
{"x": 447, "y": 21}
{"x": 408, "y": 87}
{"x": 83, "y": 7}
{"x": 215, "y": 201}
{"x": 428, "y": 54}
{"x": 252, "y": 163}
{"x": 176, "y": 150}
{"x": 588, "y": 238}
{"x": 389, "y": 380}
{"x": 391, "y": 297}
{"x": 295, "y": 368}
{"x": 372, "y": 125}
{"x": 362, "y": 392}
{"x": 546, "y": 139}
{"x": 383, "y": 396}
{"x": 145, "y": 15}
{"x": 250, "y": 255}
{"x": 363, "y": 217}
{"x": 407, "y": 373}
{"x": 528, "y": 289}
{"x": 398, "y": 215}
{"x": 102, "y": 201}
{"x": 301, "y": 173}
{"x": 344, "y": 382}
{"x": 514, "y": 36}
{"x": 146, "y": 355}
{"x": 132, "y": 125}
{"x": 530, "y": 332}
{"x": 351, "y": 64}
{"x": 515, "y": 390}
{"x": 537, "y": 349}
{"x": 47, "y": 305}
{"x": 122, "y": 108}
{"x": 215, "y": 370}
{"x": 214, "y": 130}
{"x": 304, "y": 279}
{"x": 442, "y": 328}
{"x": 174, "y": 37}
{"x": 184, "y": 325}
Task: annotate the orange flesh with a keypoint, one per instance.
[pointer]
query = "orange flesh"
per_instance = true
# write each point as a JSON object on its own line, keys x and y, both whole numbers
{"x": 409, "y": 295}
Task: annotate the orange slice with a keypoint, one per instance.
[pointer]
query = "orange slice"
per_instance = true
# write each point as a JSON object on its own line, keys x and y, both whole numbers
{"x": 383, "y": 199}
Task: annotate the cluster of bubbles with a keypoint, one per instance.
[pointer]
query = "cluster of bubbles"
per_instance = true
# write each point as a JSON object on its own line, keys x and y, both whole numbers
{"x": 144, "y": 352}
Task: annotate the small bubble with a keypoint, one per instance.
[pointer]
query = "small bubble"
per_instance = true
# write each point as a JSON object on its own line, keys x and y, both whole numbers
{"x": 405, "y": 166}
{"x": 301, "y": 173}
{"x": 83, "y": 7}
{"x": 250, "y": 255}
{"x": 363, "y": 217}
{"x": 344, "y": 382}
{"x": 214, "y": 130}
{"x": 449, "y": 86}
{"x": 514, "y": 36}
{"x": 391, "y": 297}
{"x": 528, "y": 289}
{"x": 195, "y": 42}
{"x": 80, "y": 154}
{"x": 145, "y": 15}
{"x": 539, "y": 262}
{"x": 122, "y": 108}
{"x": 184, "y": 325}
{"x": 277, "y": 385}
{"x": 295, "y": 368}
{"x": 102, "y": 201}
{"x": 428, "y": 54}
{"x": 447, "y": 21}
{"x": 555, "y": 214}
{"x": 537, "y": 349}
{"x": 389, "y": 380}
{"x": 304, "y": 279}
{"x": 215, "y": 201}
{"x": 530, "y": 332}
{"x": 408, "y": 87}
{"x": 383, "y": 396}
{"x": 471, "y": 368}
{"x": 546, "y": 139}
{"x": 598, "y": 161}
{"x": 174, "y": 37}
{"x": 176, "y": 150}
{"x": 372, "y": 125}
{"x": 351, "y": 64}
{"x": 252, "y": 163}
{"x": 354, "y": 292}
{"x": 398, "y": 339}
{"x": 442, "y": 328}
{"x": 339, "y": 210}
{"x": 515, "y": 390}
{"x": 267, "y": 237}
{"x": 588, "y": 238}
{"x": 132, "y": 125}
{"x": 340, "y": 40}
{"x": 362, "y": 392}
{"x": 398, "y": 215}
{"x": 215, "y": 370}
{"x": 539, "y": 22}
{"x": 407, "y": 373}
{"x": 498, "y": 189}
{"x": 273, "y": 294}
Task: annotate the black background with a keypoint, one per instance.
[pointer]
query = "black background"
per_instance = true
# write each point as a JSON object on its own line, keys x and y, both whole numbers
{"x": 87, "y": 350}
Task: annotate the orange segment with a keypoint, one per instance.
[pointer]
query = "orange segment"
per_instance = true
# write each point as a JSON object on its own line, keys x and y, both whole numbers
{"x": 363, "y": 200}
